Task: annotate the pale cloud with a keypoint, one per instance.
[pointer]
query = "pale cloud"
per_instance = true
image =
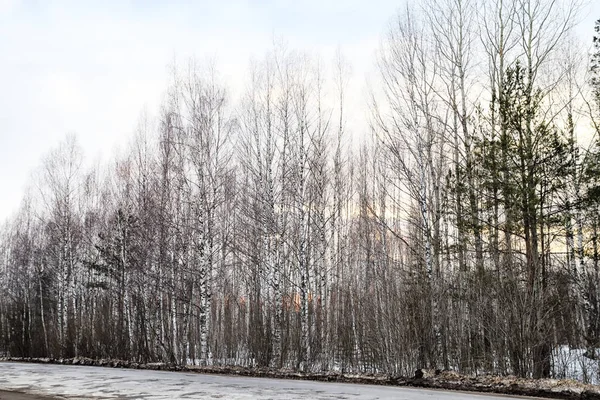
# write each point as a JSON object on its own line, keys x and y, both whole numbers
{"x": 6, "y": 6}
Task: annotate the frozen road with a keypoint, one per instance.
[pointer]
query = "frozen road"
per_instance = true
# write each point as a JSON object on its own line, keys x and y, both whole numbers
{"x": 75, "y": 382}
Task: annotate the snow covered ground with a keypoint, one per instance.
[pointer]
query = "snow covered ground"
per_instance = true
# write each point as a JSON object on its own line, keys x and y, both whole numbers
{"x": 79, "y": 382}
{"x": 572, "y": 364}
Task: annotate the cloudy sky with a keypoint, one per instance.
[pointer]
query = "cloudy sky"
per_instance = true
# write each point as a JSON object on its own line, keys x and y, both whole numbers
{"x": 90, "y": 68}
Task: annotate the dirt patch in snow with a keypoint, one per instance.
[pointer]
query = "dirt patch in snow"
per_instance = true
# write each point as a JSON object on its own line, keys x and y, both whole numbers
{"x": 8, "y": 395}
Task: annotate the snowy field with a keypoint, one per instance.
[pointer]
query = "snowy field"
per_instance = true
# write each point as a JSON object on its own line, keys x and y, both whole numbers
{"x": 78, "y": 382}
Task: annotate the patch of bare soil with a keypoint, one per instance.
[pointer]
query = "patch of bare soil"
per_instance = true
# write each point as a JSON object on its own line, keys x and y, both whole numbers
{"x": 5, "y": 395}
{"x": 509, "y": 385}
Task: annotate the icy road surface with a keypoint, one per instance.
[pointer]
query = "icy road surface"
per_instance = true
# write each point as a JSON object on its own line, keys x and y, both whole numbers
{"x": 75, "y": 382}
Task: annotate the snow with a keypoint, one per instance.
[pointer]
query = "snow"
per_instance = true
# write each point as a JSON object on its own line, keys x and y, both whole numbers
{"x": 572, "y": 364}
{"x": 79, "y": 382}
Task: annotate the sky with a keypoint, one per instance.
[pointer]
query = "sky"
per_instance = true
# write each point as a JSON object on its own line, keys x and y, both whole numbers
{"x": 91, "y": 68}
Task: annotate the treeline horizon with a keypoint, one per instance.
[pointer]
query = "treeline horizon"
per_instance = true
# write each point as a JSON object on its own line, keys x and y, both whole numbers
{"x": 460, "y": 233}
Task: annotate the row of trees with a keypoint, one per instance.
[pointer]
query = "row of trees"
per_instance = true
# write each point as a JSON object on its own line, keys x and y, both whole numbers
{"x": 460, "y": 232}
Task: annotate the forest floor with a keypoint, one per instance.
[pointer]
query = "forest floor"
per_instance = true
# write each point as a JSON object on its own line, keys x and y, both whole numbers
{"x": 444, "y": 380}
